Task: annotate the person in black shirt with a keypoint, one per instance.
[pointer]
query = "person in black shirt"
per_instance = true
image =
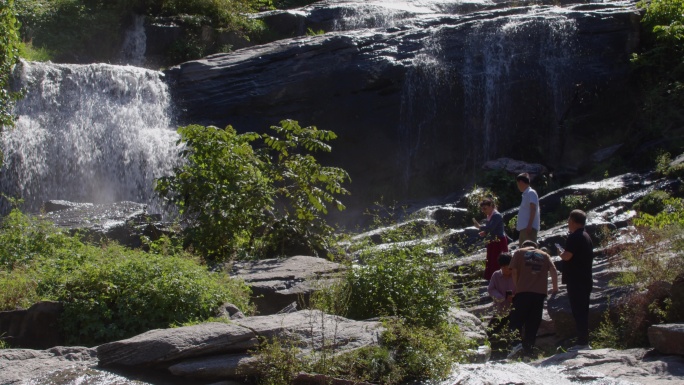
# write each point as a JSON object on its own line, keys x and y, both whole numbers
{"x": 578, "y": 257}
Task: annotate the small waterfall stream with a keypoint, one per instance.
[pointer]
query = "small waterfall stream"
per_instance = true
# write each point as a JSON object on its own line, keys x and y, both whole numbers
{"x": 88, "y": 133}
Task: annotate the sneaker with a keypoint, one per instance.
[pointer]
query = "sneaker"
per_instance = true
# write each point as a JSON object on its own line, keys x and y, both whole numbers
{"x": 577, "y": 348}
{"x": 516, "y": 349}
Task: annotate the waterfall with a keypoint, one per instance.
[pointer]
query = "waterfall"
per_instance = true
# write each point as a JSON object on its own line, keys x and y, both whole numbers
{"x": 88, "y": 133}
{"x": 135, "y": 43}
{"x": 541, "y": 44}
{"x": 425, "y": 88}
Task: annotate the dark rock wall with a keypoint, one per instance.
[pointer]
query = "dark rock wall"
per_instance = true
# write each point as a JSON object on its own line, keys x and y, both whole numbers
{"x": 419, "y": 108}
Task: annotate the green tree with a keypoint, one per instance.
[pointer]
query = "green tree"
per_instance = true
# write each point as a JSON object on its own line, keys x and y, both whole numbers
{"x": 9, "y": 55}
{"x": 661, "y": 66}
{"x": 236, "y": 198}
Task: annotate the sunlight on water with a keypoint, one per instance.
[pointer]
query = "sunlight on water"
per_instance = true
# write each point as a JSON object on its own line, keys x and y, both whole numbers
{"x": 88, "y": 133}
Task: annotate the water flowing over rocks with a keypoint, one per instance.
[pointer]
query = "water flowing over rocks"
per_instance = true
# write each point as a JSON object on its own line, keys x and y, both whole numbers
{"x": 421, "y": 94}
{"x": 124, "y": 222}
{"x": 94, "y": 133}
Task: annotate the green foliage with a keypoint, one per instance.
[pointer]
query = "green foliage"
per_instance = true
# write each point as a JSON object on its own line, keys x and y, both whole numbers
{"x": 278, "y": 362}
{"x": 399, "y": 282}
{"x": 665, "y": 168}
{"x": 607, "y": 334}
{"x": 424, "y": 353}
{"x": 108, "y": 292}
{"x": 671, "y": 215}
{"x": 9, "y": 55}
{"x": 121, "y": 293}
{"x": 502, "y": 185}
{"x": 661, "y": 67}
{"x": 17, "y": 289}
{"x": 407, "y": 353}
{"x": 572, "y": 202}
{"x": 475, "y": 196}
{"x": 238, "y": 200}
{"x": 652, "y": 203}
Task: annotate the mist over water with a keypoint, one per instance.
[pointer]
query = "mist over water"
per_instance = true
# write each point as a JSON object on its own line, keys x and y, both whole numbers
{"x": 88, "y": 133}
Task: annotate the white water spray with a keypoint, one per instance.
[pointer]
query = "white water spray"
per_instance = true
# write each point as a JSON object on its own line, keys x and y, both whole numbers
{"x": 88, "y": 133}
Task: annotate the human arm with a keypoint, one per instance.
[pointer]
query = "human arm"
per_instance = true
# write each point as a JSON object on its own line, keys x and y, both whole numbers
{"x": 554, "y": 276}
{"x": 495, "y": 291}
{"x": 533, "y": 214}
{"x": 566, "y": 255}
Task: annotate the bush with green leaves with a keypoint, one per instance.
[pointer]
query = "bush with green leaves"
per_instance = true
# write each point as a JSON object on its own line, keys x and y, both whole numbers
{"x": 109, "y": 292}
{"x": 661, "y": 68}
{"x": 407, "y": 353}
{"x": 398, "y": 281}
{"x": 652, "y": 203}
{"x": 671, "y": 215}
{"x": 120, "y": 293}
{"x": 264, "y": 199}
{"x": 9, "y": 54}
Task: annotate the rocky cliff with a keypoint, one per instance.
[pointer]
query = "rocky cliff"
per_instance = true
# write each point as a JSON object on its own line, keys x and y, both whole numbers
{"x": 422, "y": 94}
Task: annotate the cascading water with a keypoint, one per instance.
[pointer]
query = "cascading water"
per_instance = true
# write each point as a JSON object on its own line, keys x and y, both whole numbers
{"x": 135, "y": 43}
{"x": 88, "y": 133}
{"x": 491, "y": 73}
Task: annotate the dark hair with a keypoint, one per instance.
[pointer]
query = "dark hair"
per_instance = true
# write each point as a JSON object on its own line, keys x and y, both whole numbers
{"x": 579, "y": 217}
{"x": 530, "y": 242}
{"x": 524, "y": 177}
{"x": 505, "y": 259}
{"x": 486, "y": 202}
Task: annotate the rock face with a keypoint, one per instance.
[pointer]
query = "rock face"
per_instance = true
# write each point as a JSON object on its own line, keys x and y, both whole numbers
{"x": 215, "y": 351}
{"x": 667, "y": 338}
{"x": 34, "y": 328}
{"x": 278, "y": 283}
{"x": 428, "y": 93}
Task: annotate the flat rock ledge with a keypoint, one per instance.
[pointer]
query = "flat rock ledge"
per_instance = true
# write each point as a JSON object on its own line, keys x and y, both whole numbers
{"x": 213, "y": 351}
{"x": 633, "y": 366}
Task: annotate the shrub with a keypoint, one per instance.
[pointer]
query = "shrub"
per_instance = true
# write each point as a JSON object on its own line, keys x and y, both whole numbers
{"x": 256, "y": 201}
{"x": 108, "y": 292}
{"x": 9, "y": 55}
{"x": 652, "y": 203}
{"x": 400, "y": 282}
{"x": 424, "y": 353}
{"x": 406, "y": 353}
{"x": 118, "y": 293}
{"x": 502, "y": 185}
{"x": 671, "y": 215}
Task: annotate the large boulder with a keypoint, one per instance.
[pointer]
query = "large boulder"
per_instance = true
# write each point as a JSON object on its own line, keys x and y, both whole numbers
{"x": 34, "y": 328}
{"x": 218, "y": 351}
{"x": 278, "y": 283}
{"x": 17, "y": 366}
{"x": 667, "y": 338}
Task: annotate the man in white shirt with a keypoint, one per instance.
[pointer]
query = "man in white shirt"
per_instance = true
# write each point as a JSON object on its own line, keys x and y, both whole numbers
{"x": 528, "y": 213}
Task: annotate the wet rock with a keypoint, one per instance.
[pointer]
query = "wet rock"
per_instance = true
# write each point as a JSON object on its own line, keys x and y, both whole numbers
{"x": 19, "y": 365}
{"x": 667, "y": 338}
{"x": 515, "y": 167}
{"x": 277, "y": 283}
{"x": 123, "y": 222}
